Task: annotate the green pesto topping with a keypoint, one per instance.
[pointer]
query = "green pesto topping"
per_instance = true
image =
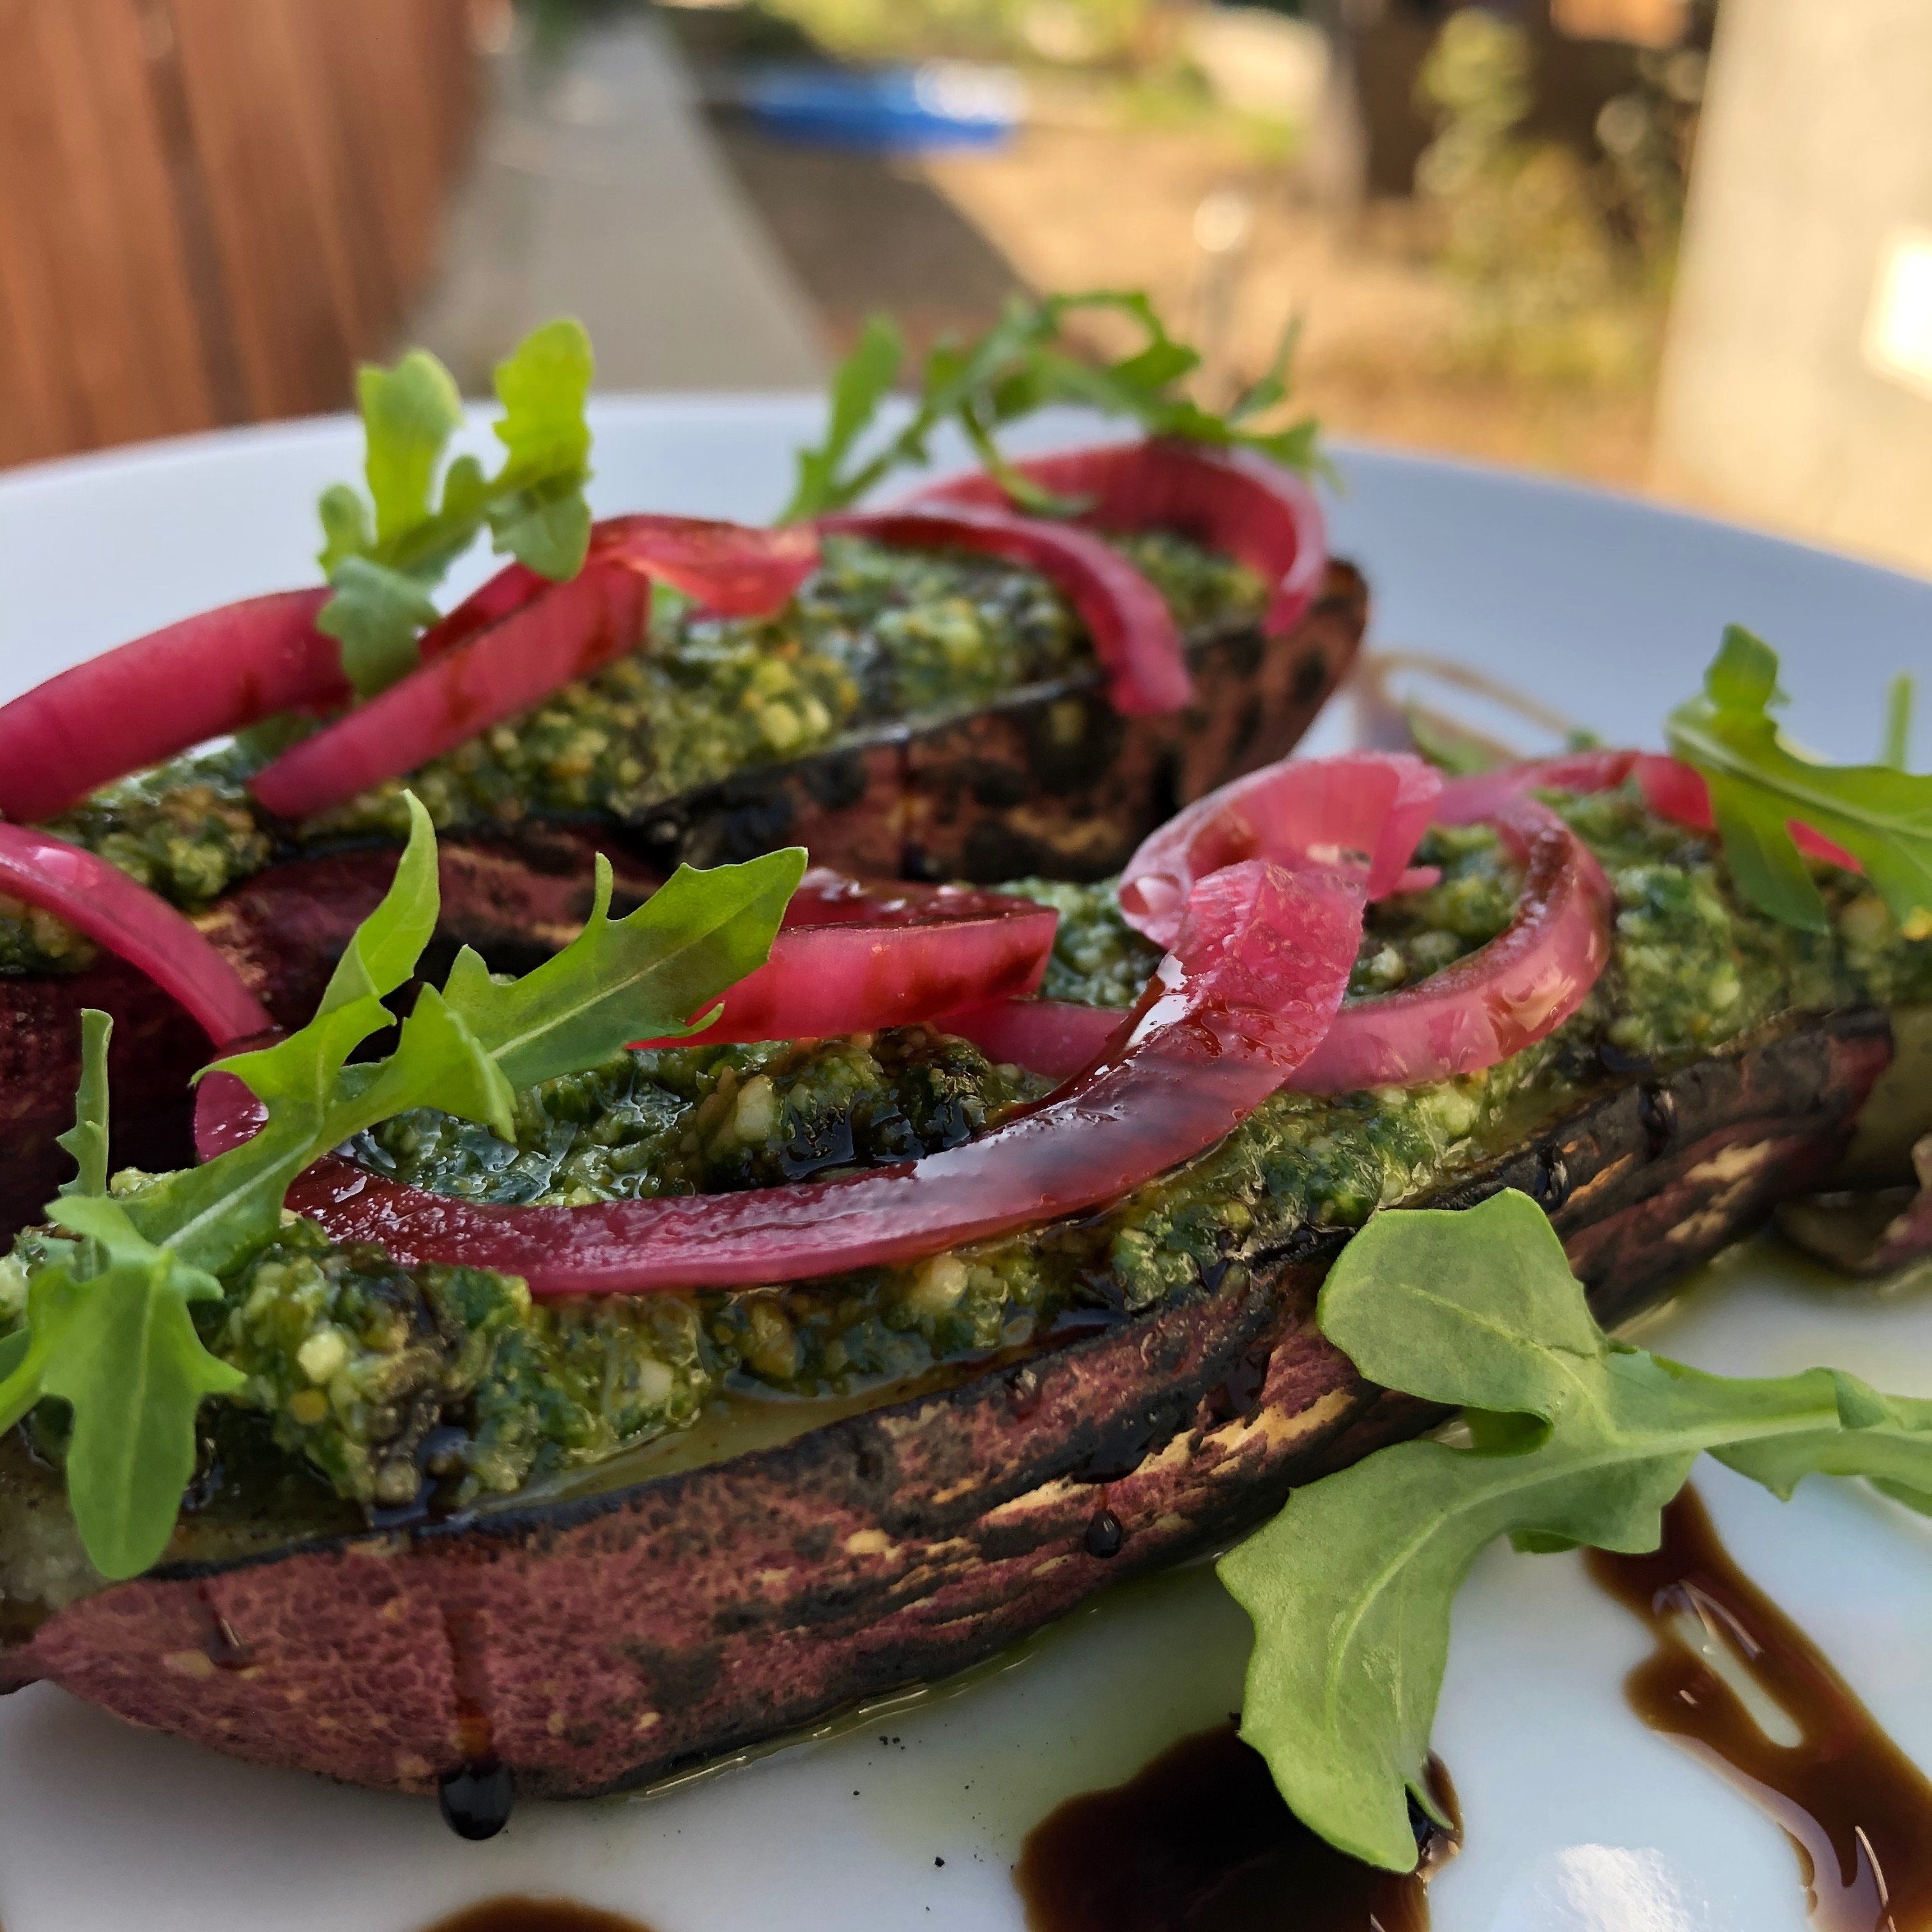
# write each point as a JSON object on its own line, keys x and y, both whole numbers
{"x": 1205, "y": 590}
{"x": 186, "y": 830}
{"x": 1410, "y": 935}
{"x": 875, "y": 634}
{"x": 710, "y": 1119}
{"x": 34, "y": 941}
{"x": 1098, "y": 958}
{"x": 381, "y": 1376}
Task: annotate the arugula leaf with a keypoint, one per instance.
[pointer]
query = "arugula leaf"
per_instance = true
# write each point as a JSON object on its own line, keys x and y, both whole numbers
{"x": 1882, "y": 1438}
{"x": 384, "y": 566}
{"x": 1579, "y": 1439}
{"x": 86, "y": 1140}
{"x": 645, "y": 977}
{"x": 376, "y": 615}
{"x": 536, "y": 506}
{"x": 409, "y": 413}
{"x": 21, "y": 1362}
{"x": 1025, "y": 362}
{"x": 108, "y": 1328}
{"x": 861, "y": 385}
{"x": 1896, "y": 750}
{"x": 121, "y": 1349}
{"x": 1881, "y": 813}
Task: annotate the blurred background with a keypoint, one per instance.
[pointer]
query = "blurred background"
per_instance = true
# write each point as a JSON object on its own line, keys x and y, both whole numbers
{"x": 1682, "y": 246}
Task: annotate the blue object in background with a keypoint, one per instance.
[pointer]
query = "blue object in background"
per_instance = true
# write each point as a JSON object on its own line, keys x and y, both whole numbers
{"x": 939, "y": 104}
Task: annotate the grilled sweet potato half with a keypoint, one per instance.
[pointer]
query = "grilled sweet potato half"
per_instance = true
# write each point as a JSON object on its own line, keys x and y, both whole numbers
{"x": 979, "y": 1435}
{"x": 1048, "y": 779}
{"x": 608, "y": 1639}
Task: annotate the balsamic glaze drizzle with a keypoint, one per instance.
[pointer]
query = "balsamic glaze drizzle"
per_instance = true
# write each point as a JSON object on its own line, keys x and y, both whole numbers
{"x": 535, "y": 1914}
{"x": 1201, "y": 1841}
{"x": 1857, "y": 1810}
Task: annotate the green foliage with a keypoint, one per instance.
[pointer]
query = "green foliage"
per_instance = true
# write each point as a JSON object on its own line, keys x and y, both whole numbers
{"x": 1026, "y": 361}
{"x": 108, "y": 1327}
{"x": 384, "y": 556}
{"x": 1579, "y": 1440}
{"x": 1078, "y": 30}
{"x": 1880, "y": 814}
{"x": 1561, "y": 267}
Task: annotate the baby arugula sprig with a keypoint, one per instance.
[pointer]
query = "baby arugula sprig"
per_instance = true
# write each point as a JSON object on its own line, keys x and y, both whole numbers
{"x": 1577, "y": 1439}
{"x": 1880, "y": 814}
{"x": 1024, "y": 362}
{"x": 384, "y": 555}
{"x": 110, "y": 1329}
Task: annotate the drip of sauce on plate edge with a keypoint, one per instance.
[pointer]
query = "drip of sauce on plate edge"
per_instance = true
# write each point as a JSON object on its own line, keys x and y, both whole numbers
{"x": 535, "y": 1914}
{"x": 1857, "y": 1809}
{"x": 1201, "y": 1841}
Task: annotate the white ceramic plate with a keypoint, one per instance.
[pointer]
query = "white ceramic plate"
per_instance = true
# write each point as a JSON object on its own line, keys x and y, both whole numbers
{"x": 1577, "y": 1817}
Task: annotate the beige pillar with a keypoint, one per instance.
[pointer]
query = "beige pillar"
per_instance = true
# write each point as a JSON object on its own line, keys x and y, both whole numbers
{"x": 1797, "y": 384}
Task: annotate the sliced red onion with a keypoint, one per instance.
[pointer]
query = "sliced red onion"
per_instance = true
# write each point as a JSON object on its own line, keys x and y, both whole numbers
{"x": 1132, "y": 630}
{"x": 1502, "y": 997}
{"x": 567, "y": 631}
{"x": 1054, "y": 1037}
{"x": 162, "y": 694}
{"x": 731, "y": 569}
{"x": 1257, "y": 972}
{"x": 1238, "y": 504}
{"x": 517, "y": 639}
{"x": 853, "y": 958}
{"x": 99, "y": 900}
{"x": 1312, "y": 811}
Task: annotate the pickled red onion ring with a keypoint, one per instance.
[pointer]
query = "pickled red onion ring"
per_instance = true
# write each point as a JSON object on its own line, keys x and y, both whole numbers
{"x": 1257, "y": 971}
{"x": 1237, "y": 503}
{"x": 734, "y": 569}
{"x": 100, "y": 901}
{"x": 1376, "y": 804}
{"x": 164, "y": 693}
{"x": 569, "y": 630}
{"x": 853, "y": 958}
{"x": 708, "y": 561}
{"x": 1054, "y": 1037}
{"x": 1506, "y": 995}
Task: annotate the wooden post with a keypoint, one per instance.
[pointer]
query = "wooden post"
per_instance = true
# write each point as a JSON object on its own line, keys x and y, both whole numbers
{"x": 1797, "y": 385}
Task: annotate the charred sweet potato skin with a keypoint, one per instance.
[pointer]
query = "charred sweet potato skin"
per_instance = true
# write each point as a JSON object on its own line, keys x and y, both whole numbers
{"x": 612, "y": 1640}
{"x": 1052, "y": 781}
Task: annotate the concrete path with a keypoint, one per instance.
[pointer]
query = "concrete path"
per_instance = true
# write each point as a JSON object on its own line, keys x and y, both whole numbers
{"x": 595, "y": 193}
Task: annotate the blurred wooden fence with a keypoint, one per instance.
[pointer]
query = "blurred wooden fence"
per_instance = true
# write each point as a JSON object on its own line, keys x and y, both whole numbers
{"x": 210, "y": 208}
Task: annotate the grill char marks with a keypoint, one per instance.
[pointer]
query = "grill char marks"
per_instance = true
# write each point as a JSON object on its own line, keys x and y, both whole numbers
{"x": 623, "y": 1636}
{"x": 1050, "y": 782}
